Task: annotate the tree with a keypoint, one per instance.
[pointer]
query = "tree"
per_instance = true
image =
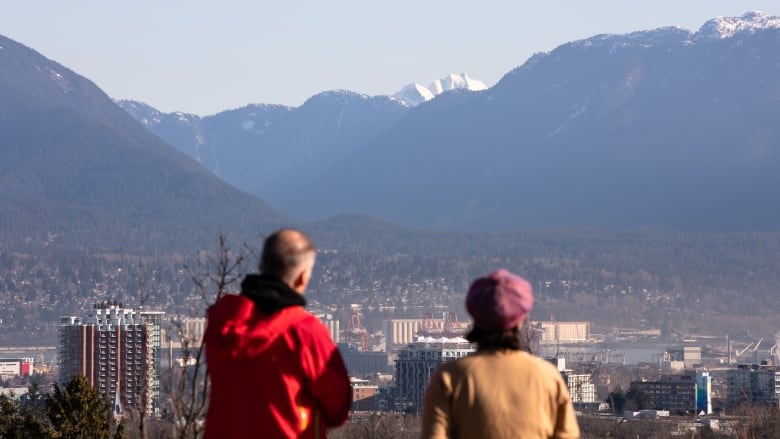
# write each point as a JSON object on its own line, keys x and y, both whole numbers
{"x": 10, "y": 417}
{"x": 78, "y": 411}
{"x": 617, "y": 400}
{"x": 757, "y": 421}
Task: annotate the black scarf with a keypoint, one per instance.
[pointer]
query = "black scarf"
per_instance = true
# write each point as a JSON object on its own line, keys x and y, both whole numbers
{"x": 269, "y": 293}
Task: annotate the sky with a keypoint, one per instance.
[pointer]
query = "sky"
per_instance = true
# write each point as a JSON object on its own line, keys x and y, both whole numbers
{"x": 204, "y": 57}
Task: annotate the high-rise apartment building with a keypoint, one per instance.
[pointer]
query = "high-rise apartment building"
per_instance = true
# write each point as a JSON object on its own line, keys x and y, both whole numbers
{"x": 753, "y": 384}
{"x": 415, "y": 365}
{"x": 118, "y": 351}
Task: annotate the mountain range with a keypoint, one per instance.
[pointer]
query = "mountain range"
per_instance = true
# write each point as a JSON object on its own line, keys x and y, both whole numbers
{"x": 663, "y": 128}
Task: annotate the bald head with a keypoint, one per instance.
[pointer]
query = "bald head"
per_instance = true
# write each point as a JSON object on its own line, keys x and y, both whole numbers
{"x": 289, "y": 255}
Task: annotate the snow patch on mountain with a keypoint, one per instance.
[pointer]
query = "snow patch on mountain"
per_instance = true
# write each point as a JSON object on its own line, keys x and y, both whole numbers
{"x": 60, "y": 80}
{"x": 577, "y": 111}
{"x": 716, "y": 29}
{"x": 726, "y": 27}
{"x": 148, "y": 116}
{"x": 415, "y": 94}
{"x": 647, "y": 38}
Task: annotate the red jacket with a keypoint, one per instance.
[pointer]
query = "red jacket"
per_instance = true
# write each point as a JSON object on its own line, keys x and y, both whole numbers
{"x": 272, "y": 376}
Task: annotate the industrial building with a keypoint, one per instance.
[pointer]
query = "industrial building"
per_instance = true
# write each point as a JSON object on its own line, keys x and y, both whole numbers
{"x": 553, "y": 332}
{"x": 681, "y": 358}
{"x": 193, "y": 329}
{"x": 400, "y": 332}
{"x": 118, "y": 350}
{"x": 753, "y": 384}
{"x": 15, "y": 367}
{"x": 415, "y": 365}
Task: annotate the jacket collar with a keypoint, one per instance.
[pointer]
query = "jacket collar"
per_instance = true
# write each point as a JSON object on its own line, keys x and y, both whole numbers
{"x": 269, "y": 293}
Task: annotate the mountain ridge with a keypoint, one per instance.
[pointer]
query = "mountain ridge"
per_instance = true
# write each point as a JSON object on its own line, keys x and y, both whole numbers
{"x": 79, "y": 171}
{"x": 578, "y": 137}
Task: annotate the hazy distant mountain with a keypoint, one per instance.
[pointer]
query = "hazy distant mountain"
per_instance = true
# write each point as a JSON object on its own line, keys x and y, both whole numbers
{"x": 267, "y": 150}
{"x": 663, "y": 128}
{"x": 78, "y": 171}
{"x": 415, "y": 94}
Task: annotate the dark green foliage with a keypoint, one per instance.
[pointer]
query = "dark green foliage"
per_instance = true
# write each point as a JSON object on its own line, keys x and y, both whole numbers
{"x": 614, "y": 278}
{"x": 10, "y": 418}
{"x": 644, "y": 277}
{"x": 617, "y": 400}
{"x": 78, "y": 411}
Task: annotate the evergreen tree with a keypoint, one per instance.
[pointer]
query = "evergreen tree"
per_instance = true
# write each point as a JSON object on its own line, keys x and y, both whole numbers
{"x": 10, "y": 417}
{"x": 78, "y": 411}
{"x": 617, "y": 400}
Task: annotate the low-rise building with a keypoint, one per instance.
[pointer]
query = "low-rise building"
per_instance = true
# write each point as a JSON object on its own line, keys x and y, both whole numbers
{"x": 15, "y": 367}
{"x": 364, "y": 395}
{"x": 581, "y": 389}
{"x": 365, "y": 363}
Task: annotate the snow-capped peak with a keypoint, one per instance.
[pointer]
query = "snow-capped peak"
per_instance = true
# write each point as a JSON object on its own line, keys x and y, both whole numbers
{"x": 726, "y": 27}
{"x": 454, "y": 81}
{"x": 415, "y": 94}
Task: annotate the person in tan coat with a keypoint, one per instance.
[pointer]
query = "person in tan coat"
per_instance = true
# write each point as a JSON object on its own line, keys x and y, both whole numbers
{"x": 500, "y": 391}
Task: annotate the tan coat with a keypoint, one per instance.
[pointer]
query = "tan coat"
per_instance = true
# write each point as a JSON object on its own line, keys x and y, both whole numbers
{"x": 498, "y": 394}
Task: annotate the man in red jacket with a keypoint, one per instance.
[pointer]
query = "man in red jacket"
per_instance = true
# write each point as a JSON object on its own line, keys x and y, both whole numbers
{"x": 275, "y": 373}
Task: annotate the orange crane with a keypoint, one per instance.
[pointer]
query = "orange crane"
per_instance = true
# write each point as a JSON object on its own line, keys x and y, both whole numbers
{"x": 355, "y": 333}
